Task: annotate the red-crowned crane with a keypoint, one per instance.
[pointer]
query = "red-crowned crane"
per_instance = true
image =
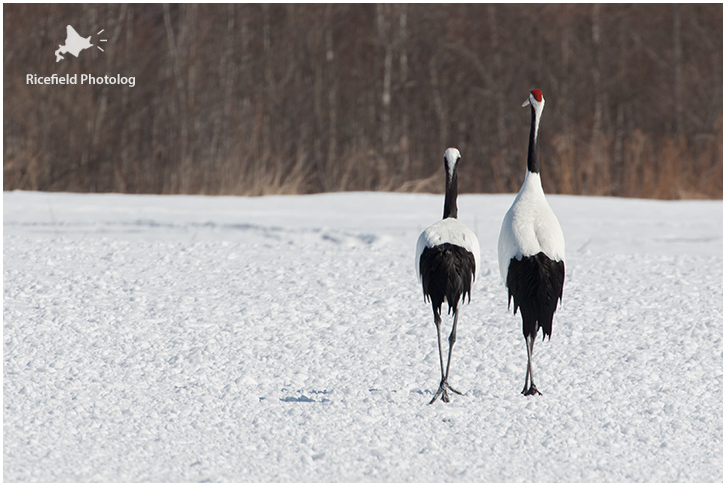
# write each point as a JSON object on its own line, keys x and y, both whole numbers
{"x": 447, "y": 260}
{"x": 532, "y": 250}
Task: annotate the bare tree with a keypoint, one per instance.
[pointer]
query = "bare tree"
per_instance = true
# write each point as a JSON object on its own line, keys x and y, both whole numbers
{"x": 258, "y": 99}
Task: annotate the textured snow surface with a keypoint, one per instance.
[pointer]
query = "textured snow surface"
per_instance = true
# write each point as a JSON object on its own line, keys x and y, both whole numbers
{"x": 171, "y": 338}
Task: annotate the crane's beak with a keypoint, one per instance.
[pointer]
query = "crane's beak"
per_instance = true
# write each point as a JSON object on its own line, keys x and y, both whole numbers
{"x": 526, "y": 103}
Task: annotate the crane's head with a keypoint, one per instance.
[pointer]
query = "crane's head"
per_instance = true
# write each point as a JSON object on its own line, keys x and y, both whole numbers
{"x": 451, "y": 159}
{"x": 535, "y": 99}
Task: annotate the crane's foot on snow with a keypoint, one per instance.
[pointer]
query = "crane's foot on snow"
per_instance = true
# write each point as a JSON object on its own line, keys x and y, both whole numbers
{"x": 444, "y": 389}
{"x": 531, "y": 391}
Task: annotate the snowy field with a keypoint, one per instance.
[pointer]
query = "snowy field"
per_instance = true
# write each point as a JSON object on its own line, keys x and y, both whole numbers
{"x": 173, "y": 338}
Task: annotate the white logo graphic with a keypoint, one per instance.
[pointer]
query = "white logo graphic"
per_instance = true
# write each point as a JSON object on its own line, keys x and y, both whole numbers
{"x": 74, "y": 44}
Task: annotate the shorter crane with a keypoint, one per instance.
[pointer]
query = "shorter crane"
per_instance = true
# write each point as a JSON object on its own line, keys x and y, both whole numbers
{"x": 447, "y": 260}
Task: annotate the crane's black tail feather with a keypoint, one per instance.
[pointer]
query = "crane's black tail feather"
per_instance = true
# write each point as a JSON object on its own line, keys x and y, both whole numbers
{"x": 535, "y": 283}
{"x": 447, "y": 272}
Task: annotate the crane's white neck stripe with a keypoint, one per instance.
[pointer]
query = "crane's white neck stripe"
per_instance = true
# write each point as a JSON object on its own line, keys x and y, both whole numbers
{"x": 451, "y": 166}
{"x": 538, "y": 108}
{"x": 452, "y": 157}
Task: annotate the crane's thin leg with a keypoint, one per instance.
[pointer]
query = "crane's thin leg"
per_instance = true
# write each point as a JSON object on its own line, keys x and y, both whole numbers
{"x": 526, "y": 377}
{"x": 452, "y": 340}
{"x": 530, "y": 351}
{"x": 445, "y": 397}
{"x": 437, "y": 321}
{"x": 444, "y": 387}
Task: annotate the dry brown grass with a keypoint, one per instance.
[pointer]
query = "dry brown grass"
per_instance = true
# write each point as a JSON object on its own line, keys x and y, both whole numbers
{"x": 265, "y": 99}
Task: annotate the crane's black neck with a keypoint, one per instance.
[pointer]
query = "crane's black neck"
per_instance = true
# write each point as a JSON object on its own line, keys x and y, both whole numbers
{"x": 533, "y": 155}
{"x": 452, "y": 192}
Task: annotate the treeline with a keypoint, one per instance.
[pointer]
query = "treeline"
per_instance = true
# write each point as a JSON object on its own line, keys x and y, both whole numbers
{"x": 258, "y": 99}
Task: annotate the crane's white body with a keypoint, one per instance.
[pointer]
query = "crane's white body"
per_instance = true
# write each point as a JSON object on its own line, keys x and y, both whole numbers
{"x": 529, "y": 227}
{"x": 449, "y": 230}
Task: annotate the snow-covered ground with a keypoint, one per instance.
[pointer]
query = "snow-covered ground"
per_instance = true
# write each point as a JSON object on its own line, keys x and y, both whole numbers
{"x": 173, "y": 338}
